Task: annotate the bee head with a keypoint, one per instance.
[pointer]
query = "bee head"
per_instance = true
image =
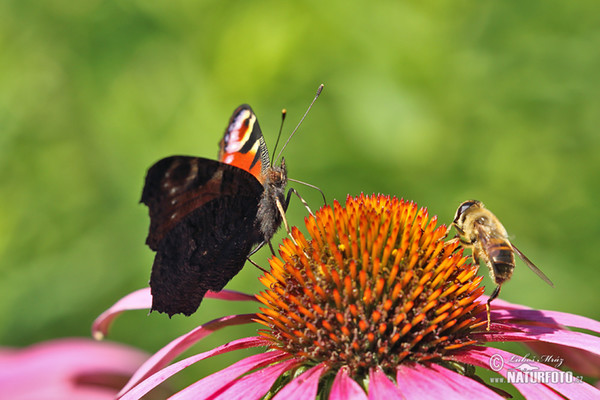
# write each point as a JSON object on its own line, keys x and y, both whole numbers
{"x": 462, "y": 209}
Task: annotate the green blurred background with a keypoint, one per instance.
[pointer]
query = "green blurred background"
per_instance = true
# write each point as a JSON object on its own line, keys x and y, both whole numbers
{"x": 438, "y": 103}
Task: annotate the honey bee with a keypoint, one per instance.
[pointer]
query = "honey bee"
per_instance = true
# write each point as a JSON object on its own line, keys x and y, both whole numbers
{"x": 480, "y": 230}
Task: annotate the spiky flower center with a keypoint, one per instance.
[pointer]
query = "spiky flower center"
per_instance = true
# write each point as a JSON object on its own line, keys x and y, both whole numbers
{"x": 375, "y": 285}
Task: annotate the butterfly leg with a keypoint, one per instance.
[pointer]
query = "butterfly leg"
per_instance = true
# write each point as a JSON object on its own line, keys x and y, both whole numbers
{"x": 260, "y": 246}
{"x": 311, "y": 186}
{"x": 256, "y": 265}
{"x": 495, "y": 294}
{"x": 271, "y": 247}
{"x": 282, "y": 209}
{"x": 288, "y": 198}
{"x": 256, "y": 249}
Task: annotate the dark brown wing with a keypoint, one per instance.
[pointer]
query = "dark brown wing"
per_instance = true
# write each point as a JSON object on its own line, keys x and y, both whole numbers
{"x": 178, "y": 185}
{"x": 202, "y": 227}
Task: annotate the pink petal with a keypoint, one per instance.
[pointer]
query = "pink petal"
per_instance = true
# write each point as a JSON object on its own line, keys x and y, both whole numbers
{"x": 67, "y": 368}
{"x": 550, "y": 318}
{"x": 138, "y": 300}
{"x": 212, "y": 384}
{"x": 381, "y": 387}
{"x": 303, "y": 387}
{"x": 487, "y": 357}
{"x": 580, "y": 361}
{"x": 256, "y": 384}
{"x": 502, "y": 303}
{"x": 420, "y": 385}
{"x": 142, "y": 381}
{"x": 230, "y": 295}
{"x": 434, "y": 382}
{"x": 142, "y": 300}
{"x": 482, "y": 357}
{"x": 346, "y": 388}
{"x": 551, "y": 335}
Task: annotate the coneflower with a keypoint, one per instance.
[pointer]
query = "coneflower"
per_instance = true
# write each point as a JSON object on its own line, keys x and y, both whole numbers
{"x": 375, "y": 302}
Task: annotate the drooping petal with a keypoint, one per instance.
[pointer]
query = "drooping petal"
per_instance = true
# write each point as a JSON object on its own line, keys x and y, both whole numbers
{"x": 500, "y": 361}
{"x": 380, "y": 387}
{"x": 503, "y": 311}
{"x": 138, "y": 300}
{"x": 303, "y": 387}
{"x": 434, "y": 382}
{"x": 67, "y": 368}
{"x": 520, "y": 333}
{"x": 230, "y": 295}
{"x": 577, "y": 360}
{"x": 142, "y": 382}
{"x": 257, "y": 384}
{"x": 142, "y": 300}
{"x": 213, "y": 384}
{"x": 346, "y": 388}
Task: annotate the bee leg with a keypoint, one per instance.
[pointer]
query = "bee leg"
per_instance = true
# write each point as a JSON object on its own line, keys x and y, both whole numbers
{"x": 448, "y": 228}
{"x": 495, "y": 294}
{"x": 455, "y": 239}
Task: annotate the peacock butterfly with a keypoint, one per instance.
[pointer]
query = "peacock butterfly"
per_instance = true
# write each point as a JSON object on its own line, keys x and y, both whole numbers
{"x": 207, "y": 215}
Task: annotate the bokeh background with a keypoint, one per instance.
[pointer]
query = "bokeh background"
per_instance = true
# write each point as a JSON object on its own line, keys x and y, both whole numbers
{"x": 434, "y": 102}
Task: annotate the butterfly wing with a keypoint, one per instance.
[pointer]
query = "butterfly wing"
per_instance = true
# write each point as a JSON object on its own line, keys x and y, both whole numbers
{"x": 202, "y": 227}
{"x": 243, "y": 144}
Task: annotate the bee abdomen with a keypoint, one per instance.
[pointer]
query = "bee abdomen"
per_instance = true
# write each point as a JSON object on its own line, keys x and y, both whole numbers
{"x": 503, "y": 259}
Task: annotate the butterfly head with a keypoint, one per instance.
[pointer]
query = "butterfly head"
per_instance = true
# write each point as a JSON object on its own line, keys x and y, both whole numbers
{"x": 276, "y": 175}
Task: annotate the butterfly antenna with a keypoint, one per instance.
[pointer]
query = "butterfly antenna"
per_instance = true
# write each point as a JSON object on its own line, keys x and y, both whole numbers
{"x": 319, "y": 90}
{"x": 283, "y": 114}
{"x": 311, "y": 186}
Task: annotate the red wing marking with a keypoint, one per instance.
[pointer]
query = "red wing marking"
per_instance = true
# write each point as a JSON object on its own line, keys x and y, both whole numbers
{"x": 243, "y": 145}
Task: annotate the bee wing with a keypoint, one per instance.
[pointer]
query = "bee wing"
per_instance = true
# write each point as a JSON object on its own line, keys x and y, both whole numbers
{"x": 532, "y": 266}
